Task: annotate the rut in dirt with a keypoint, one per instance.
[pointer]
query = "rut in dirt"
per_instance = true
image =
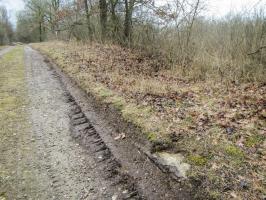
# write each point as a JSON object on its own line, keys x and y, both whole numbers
{"x": 76, "y": 173}
{"x": 69, "y": 150}
{"x": 49, "y": 163}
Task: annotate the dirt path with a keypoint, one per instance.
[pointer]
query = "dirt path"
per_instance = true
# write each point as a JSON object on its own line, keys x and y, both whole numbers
{"x": 5, "y": 50}
{"x": 55, "y": 145}
{"x": 68, "y": 167}
{"x": 40, "y": 160}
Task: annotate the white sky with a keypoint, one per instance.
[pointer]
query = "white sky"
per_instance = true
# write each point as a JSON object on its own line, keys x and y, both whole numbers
{"x": 13, "y": 6}
{"x": 219, "y": 8}
{"x": 216, "y": 8}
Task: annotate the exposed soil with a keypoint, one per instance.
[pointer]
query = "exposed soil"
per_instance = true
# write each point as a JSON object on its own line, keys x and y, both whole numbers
{"x": 60, "y": 142}
{"x": 44, "y": 160}
{"x": 123, "y": 140}
{"x": 74, "y": 172}
{"x": 60, "y": 147}
{"x": 217, "y": 126}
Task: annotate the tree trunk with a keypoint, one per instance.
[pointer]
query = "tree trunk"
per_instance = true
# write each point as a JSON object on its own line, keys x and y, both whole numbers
{"x": 103, "y": 18}
{"x": 88, "y": 17}
{"x": 114, "y": 18}
{"x": 40, "y": 31}
{"x": 56, "y": 6}
{"x": 129, "y": 4}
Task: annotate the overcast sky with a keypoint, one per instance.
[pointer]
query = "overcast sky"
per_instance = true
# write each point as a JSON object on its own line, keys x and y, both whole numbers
{"x": 220, "y": 8}
{"x": 13, "y": 6}
{"x": 216, "y": 8}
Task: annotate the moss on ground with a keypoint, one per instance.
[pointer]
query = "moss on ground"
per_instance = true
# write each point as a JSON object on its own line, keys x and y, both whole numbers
{"x": 197, "y": 160}
{"x": 152, "y": 137}
{"x": 254, "y": 140}
{"x": 234, "y": 152}
{"x": 14, "y": 126}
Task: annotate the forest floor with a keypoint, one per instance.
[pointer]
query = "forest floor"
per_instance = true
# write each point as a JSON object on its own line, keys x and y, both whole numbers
{"x": 218, "y": 127}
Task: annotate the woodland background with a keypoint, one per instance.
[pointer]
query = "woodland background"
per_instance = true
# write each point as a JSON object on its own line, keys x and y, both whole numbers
{"x": 176, "y": 34}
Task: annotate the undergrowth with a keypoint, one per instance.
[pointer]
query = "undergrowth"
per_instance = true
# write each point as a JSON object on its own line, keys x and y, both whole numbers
{"x": 218, "y": 127}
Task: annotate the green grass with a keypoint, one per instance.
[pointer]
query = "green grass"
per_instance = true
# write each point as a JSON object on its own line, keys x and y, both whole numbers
{"x": 15, "y": 175}
{"x": 13, "y": 121}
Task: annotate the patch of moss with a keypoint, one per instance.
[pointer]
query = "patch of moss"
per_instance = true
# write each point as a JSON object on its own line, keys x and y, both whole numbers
{"x": 234, "y": 152}
{"x": 215, "y": 195}
{"x": 8, "y": 101}
{"x": 13, "y": 119}
{"x": 254, "y": 140}
{"x": 197, "y": 160}
{"x": 151, "y": 136}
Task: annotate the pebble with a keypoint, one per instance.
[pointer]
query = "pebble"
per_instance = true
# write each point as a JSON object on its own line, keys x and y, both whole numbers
{"x": 244, "y": 184}
{"x": 125, "y": 192}
{"x": 114, "y": 197}
{"x": 229, "y": 130}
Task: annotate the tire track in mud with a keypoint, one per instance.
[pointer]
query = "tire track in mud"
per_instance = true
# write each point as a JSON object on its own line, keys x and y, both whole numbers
{"x": 84, "y": 132}
{"x": 74, "y": 162}
{"x": 125, "y": 163}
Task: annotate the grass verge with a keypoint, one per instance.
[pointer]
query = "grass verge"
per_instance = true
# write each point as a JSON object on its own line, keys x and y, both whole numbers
{"x": 218, "y": 127}
{"x": 14, "y": 173}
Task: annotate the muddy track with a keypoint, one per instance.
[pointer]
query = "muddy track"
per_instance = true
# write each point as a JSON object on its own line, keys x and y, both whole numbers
{"x": 126, "y": 160}
{"x": 71, "y": 147}
{"x": 83, "y": 131}
{"x": 71, "y": 159}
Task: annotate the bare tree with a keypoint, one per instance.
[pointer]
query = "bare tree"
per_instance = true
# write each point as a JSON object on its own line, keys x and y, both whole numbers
{"x": 129, "y": 5}
{"x": 37, "y": 8}
{"x": 114, "y": 18}
{"x": 6, "y": 30}
{"x": 103, "y": 17}
{"x": 88, "y": 17}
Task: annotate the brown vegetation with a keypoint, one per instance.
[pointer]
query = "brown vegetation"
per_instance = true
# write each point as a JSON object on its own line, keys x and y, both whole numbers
{"x": 194, "y": 84}
{"x": 220, "y": 128}
{"x": 230, "y": 49}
